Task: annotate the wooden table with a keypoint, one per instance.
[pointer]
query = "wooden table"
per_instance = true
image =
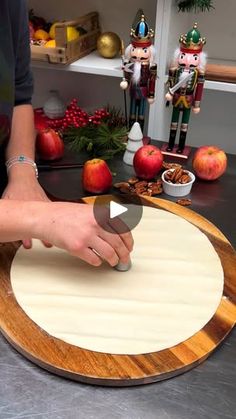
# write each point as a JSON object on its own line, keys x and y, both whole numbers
{"x": 207, "y": 391}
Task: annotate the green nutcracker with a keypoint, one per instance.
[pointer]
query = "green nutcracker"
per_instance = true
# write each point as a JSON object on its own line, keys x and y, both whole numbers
{"x": 186, "y": 80}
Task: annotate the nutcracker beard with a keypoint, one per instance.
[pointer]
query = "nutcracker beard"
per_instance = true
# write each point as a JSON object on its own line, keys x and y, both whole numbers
{"x": 183, "y": 76}
{"x": 136, "y": 72}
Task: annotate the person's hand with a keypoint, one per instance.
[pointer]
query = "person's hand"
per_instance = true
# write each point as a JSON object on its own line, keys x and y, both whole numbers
{"x": 196, "y": 110}
{"x": 151, "y": 100}
{"x": 73, "y": 227}
{"x": 169, "y": 97}
{"x": 25, "y": 188}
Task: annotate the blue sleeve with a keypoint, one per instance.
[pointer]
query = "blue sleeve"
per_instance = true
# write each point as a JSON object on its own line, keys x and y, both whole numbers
{"x": 23, "y": 74}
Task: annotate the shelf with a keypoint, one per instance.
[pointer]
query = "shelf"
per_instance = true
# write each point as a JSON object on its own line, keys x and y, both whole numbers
{"x": 222, "y": 73}
{"x": 91, "y": 64}
{"x": 220, "y": 86}
{"x": 95, "y": 64}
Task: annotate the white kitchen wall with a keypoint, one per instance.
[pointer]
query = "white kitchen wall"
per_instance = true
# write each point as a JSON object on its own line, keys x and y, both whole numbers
{"x": 91, "y": 91}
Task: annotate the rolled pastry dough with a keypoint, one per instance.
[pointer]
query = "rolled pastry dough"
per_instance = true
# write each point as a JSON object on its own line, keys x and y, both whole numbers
{"x": 172, "y": 290}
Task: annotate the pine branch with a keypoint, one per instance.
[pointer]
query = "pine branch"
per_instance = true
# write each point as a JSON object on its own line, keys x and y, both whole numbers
{"x": 115, "y": 117}
{"x": 194, "y": 5}
{"x": 101, "y": 141}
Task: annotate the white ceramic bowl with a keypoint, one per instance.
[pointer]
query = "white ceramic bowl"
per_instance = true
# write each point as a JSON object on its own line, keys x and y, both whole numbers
{"x": 177, "y": 189}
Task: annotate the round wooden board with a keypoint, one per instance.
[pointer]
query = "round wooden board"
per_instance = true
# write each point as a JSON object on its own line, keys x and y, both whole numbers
{"x": 121, "y": 370}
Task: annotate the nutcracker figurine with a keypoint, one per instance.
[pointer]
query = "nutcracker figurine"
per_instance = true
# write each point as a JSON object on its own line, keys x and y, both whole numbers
{"x": 186, "y": 80}
{"x": 139, "y": 70}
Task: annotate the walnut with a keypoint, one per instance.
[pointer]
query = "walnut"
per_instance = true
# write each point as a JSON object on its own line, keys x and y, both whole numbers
{"x": 133, "y": 180}
{"x": 184, "y": 202}
{"x": 177, "y": 175}
{"x": 141, "y": 184}
{"x": 184, "y": 179}
{"x": 169, "y": 165}
{"x": 140, "y": 190}
{"x": 134, "y": 186}
{"x": 168, "y": 176}
{"x": 155, "y": 189}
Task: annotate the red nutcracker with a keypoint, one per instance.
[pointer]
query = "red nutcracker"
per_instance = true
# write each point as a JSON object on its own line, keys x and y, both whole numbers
{"x": 139, "y": 70}
{"x": 186, "y": 80}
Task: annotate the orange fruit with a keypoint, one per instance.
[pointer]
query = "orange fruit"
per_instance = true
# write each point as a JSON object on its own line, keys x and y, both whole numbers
{"x": 41, "y": 34}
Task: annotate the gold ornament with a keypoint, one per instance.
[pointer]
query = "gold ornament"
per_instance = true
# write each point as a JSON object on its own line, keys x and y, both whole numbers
{"x": 108, "y": 44}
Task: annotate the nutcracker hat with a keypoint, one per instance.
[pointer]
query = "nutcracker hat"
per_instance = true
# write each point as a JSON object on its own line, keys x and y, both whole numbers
{"x": 192, "y": 42}
{"x": 141, "y": 34}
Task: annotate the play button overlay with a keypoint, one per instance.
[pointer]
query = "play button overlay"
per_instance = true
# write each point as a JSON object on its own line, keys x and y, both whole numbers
{"x": 117, "y": 215}
{"x": 116, "y": 209}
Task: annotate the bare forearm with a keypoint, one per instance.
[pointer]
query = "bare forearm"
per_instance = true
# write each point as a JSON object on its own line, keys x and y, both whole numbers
{"x": 18, "y": 219}
{"x": 22, "y": 139}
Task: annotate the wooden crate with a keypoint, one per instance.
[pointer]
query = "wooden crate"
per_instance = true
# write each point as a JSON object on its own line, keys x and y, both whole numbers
{"x": 66, "y": 52}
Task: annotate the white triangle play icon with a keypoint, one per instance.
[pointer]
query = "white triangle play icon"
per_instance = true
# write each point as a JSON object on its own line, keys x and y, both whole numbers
{"x": 116, "y": 209}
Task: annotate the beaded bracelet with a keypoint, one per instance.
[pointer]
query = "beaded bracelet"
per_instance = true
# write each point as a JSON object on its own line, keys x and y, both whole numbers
{"x": 21, "y": 160}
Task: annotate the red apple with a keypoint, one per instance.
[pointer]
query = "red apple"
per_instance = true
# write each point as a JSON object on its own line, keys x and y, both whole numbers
{"x": 96, "y": 176}
{"x": 49, "y": 145}
{"x": 209, "y": 162}
{"x": 148, "y": 161}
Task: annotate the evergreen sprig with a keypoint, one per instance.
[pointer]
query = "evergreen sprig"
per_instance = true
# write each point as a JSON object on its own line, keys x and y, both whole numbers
{"x": 103, "y": 141}
{"x": 115, "y": 117}
{"x": 194, "y": 5}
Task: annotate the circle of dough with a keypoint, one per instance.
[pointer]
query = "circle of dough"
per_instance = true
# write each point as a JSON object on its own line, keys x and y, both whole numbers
{"x": 172, "y": 290}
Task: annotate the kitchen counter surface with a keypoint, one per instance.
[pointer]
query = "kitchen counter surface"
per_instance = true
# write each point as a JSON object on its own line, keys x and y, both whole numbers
{"x": 205, "y": 392}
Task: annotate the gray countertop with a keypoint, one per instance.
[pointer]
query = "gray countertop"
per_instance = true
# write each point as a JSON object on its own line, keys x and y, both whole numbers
{"x": 206, "y": 392}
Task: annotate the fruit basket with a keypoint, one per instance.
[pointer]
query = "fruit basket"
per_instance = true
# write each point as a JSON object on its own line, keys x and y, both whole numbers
{"x": 65, "y": 52}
